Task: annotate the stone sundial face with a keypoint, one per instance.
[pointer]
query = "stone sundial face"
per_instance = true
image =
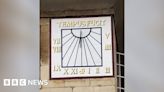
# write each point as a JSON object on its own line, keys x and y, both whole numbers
{"x": 81, "y": 47}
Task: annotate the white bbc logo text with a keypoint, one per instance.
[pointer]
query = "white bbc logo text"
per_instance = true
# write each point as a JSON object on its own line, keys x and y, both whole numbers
{"x": 6, "y": 82}
{"x": 23, "y": 82}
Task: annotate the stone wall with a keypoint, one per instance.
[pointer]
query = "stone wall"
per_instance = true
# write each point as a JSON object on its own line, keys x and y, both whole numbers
{"x": 67, "y": 85}
{"x": 56, "y": 8}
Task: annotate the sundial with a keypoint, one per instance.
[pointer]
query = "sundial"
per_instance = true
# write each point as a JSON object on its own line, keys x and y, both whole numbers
{"x": 81, "y": 47}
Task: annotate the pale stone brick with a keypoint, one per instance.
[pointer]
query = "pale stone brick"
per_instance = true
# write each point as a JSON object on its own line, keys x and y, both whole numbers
{"x": 56, "y": 90}
{"x": 44, "y": 44}
{"x": 76, "y": 82}
{"x": 51, "y": 83}
{"x": 83, "y": 89}
{"x": 102, "y": 82}
{"x": 44, "y": 72}
{"x": 44, "y": 21}
{"x": 105, "y": 89}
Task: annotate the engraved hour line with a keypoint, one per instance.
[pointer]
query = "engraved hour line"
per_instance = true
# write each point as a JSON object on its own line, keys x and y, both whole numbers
{"x": 66, "y": 35}
{"x": 85, "y": 52}
{"x": 81, "y": 53}
{"x": 72, "y": 52}
{"x": 95, "y": 33}
{"x": 94, "y": 47}
{"x": 76, "y": 55}
{"x": 90, "y": 52}
{"x": 68, "y": 48}
{"x": 95, "y": 39}
{"x": 67, "y": 40}
{"x": 101, "y": 47}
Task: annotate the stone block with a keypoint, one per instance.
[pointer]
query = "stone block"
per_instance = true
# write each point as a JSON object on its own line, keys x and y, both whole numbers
{"x": 44, "y": 70}
{"x": 83, "y": 89}
{"x": 76, "y": 82}
{"x": 44, "y": 21}
{"x": 56, "y": 90}
{"x": 105, "y": 89}
{"x": 44, "y": 41}
{"x": 102, "y": 82}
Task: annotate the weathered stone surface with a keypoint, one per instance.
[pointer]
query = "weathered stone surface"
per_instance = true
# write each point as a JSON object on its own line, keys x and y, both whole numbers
{"x": 83, "y": 89}
{"x": 44, "y": 41}
{"x": 60, "y": 8}
{"x": 51, "y": 83}
{"x": 44, "y": 70}
{"x": 56, "y": 90}
{"x": 105, "y": 89}
{"x": 76, "y": 82}
{"x": 102, "y": 82}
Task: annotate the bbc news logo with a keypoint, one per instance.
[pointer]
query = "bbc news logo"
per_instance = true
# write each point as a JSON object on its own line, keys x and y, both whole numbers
{"x": 24, "y": 82}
